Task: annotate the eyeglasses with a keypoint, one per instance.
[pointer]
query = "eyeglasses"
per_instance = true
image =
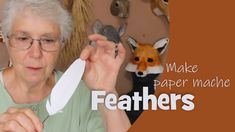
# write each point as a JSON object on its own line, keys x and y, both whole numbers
{"x": 23, "y": 42}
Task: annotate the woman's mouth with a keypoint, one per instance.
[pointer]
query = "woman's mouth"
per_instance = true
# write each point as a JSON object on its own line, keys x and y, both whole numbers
{"x": 34, "y": 68}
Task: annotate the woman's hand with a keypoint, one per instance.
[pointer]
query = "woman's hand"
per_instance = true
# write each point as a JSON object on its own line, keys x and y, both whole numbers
{"x": 102, "y": 66}
{"x": 20, "y": 120}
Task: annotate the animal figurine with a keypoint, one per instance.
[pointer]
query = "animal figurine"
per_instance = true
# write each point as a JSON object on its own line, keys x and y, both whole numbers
{"x": 160, "y": 7}
{"x": 145, "y": 66}
{"x": 120, "y": 8}
{"x": 109, "y": 31}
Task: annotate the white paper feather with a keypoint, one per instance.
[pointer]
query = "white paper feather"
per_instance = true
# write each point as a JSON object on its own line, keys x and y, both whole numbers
{"x": 65, "y": 87}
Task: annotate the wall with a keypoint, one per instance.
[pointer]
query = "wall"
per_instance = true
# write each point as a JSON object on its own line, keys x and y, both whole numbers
{"x": 143, "y": 25}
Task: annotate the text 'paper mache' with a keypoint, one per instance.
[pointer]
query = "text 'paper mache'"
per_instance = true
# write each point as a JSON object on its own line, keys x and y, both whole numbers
{"x": 145, "y": 66}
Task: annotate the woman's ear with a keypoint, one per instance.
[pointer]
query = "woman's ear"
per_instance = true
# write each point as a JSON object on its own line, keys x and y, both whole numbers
{"x": 161, "y": 45}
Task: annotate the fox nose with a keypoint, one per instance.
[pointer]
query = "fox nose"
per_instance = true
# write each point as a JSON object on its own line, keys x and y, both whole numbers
{"x": 140, "y": 73}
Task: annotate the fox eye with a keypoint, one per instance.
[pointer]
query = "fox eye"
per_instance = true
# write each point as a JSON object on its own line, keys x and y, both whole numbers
{"x": 150, "y": 60}
{"x": 137, "y": 58}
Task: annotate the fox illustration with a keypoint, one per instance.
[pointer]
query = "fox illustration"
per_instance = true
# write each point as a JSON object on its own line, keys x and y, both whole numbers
{"x": 145, "y": 66}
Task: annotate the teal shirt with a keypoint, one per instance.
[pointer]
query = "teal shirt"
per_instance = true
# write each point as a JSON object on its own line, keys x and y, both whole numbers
{"x": 77, "y": 115}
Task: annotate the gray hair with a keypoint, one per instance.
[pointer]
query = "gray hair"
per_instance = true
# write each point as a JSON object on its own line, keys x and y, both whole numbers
{"x": 51, "y": 9}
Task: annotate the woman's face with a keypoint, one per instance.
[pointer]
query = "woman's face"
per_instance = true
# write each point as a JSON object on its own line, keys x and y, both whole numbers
{"x": 33, "y": 64}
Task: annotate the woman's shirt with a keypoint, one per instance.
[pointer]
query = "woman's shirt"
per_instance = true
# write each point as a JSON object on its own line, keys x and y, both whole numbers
{"x": 77, "y": 115}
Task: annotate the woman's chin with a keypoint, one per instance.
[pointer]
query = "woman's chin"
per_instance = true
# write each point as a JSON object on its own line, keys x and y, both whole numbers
{"x": 35, "y": 74}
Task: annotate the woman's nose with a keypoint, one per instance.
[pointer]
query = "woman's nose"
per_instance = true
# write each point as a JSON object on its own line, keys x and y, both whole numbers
{"x": 35, "y": 49}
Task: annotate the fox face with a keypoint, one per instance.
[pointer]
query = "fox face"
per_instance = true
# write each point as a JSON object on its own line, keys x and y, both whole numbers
{"x": 146, "y": 58}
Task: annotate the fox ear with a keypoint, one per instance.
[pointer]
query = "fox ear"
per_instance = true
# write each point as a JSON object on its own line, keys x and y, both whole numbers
{"x": 97, "y": 27}
{"x": 161, "y": 45}
{"x": 133, "y": 43}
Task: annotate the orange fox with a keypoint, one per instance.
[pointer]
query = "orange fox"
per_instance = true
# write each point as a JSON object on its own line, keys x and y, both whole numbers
{"x": 146, "y": 57}
{"x": 145, "y": 66}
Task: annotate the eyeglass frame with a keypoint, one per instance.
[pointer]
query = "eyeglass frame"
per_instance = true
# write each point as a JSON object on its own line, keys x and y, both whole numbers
{"x": 39, "y": 42}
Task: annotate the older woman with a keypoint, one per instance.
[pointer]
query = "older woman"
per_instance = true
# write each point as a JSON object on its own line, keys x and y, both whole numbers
{"x": 34, "y": 31}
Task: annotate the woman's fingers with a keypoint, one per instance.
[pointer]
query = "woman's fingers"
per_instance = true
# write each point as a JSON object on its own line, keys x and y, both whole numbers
{"x": 103, "y": 50}
{"x": 25, "y": 118}
{"x": 121, "y": 53}
{"x": 103, "y": 44}
{"x": 87, "y": 52}
{"x": 95, "y": 37}
{"x": 37, "y": 123}
{"x": 106, "y": 47}
{"x": 24, "y": 122}
{"x": 13, "y": 126}
{"x": 103, "y": 47}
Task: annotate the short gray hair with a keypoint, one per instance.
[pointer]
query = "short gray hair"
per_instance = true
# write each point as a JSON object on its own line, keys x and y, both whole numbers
{"x": 51, "y": 9}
